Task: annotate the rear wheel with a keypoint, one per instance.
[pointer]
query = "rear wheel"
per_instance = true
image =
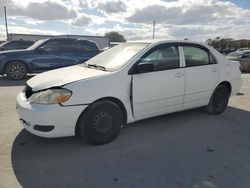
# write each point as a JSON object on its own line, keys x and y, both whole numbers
{"x": 101, "y": 123}
{"x": 219, "y": 100}
{"x": 16, "y": 70}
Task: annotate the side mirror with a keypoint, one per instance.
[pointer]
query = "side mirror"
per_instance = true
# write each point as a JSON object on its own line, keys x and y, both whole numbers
{"x": 144, "y": 67}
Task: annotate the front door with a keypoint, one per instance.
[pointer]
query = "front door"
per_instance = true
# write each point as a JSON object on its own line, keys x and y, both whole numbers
{"x": 161, "y": 90}
{"x": 56, "y": 53}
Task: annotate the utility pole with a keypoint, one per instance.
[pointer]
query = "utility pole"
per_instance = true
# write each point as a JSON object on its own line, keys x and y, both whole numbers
{"x": 6, "y": 24}
{"x": 153, "y": 29}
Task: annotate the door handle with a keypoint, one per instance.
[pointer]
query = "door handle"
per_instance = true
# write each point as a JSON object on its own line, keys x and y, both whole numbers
{"x": 178, "y": 75}
{"x": 214, "y": 69}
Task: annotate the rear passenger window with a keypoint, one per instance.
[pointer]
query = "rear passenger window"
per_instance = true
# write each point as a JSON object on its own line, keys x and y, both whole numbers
{"x": 59, "y": 45}
{"x": 212, "y": 59}
{"x": 87, "y": 45}
{"x": 195, "y": 56}
{"x": 52, "y": 46}
{"x": 163, "y": 58}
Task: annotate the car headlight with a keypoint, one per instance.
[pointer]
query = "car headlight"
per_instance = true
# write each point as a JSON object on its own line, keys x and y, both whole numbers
{"x": 50, "y": 96}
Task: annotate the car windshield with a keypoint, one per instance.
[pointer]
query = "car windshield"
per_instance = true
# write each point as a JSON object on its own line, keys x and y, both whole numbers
{"x": 5, "y": 44}
{"x": 36, "y": 44}
{"x": 116, "y": 57}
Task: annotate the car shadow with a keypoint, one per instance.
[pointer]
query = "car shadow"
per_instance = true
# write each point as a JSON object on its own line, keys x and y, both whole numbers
{"x": 6, "y": 82}
{"x": 150, "y": 153}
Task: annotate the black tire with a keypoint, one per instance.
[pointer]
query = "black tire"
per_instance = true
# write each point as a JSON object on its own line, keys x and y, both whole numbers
{"x": 219, "y": 100}
{"x": 101, "y": 123}
{"x": 16, "y": 70}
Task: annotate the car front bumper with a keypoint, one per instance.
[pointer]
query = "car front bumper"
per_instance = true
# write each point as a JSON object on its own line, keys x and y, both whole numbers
{"x": 47, "y": 120}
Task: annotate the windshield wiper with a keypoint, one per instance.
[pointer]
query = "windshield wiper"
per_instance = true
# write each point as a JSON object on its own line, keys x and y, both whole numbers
{"x": 97, "y": 66}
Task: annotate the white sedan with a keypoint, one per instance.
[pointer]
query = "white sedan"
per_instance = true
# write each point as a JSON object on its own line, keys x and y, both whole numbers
{"x": 127, "y": 83}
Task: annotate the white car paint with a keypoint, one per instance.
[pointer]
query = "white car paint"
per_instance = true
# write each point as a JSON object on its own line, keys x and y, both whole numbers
{"x": 143, "y": 95}
{"x": 63, "y": 75}
{"x": 151, "y": 97}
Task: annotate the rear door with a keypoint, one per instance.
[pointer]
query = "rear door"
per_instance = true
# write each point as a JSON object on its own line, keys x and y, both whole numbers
{"x": 162, "y": 90}
{"x": 202, "y": 73}
{"x": 45, "y": 56}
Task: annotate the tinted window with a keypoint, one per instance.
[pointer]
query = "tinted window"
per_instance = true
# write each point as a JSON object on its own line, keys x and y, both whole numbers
{"x": 212, "y": 59}
{"x": 163, "y": 58}
{"x": 195, "y": 56}
{"x": 37, "y": 44}
{"x": 59, "y": 45}
{"x": 52, "y": 46}
{"x": 12, "y": 45}
{"x": 28, "y": 43}
{"x": 87, "y": 45}
{"x": 24, "y": 45}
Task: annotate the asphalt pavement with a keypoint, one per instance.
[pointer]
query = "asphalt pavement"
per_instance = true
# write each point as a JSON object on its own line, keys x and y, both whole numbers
{"x": 189, "y": 149}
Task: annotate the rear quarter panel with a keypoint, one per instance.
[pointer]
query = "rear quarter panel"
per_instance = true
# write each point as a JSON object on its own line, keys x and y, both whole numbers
{"x": 230, "y": 72}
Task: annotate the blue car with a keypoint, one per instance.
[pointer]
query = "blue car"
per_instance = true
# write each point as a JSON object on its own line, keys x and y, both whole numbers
{"x": 16, "y": 45}
{"x": 45, "y": 55}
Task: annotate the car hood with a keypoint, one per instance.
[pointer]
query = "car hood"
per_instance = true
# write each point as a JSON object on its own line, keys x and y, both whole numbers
{"x": 62, "y": 76}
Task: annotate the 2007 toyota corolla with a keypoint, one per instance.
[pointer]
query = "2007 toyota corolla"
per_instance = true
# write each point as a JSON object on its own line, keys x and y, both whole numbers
{"x": 126, "y": 83}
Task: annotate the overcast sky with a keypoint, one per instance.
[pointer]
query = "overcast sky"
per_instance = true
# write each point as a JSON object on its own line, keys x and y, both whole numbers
{"x": 175, "y": 19}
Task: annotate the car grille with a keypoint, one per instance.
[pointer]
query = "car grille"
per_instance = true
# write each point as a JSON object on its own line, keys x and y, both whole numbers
{"x": 28, "y": 91}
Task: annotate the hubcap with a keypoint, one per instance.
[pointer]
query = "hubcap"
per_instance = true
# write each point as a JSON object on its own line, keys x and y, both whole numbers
{"x": 102, "y": 123}
{"x": 17, "y": 71}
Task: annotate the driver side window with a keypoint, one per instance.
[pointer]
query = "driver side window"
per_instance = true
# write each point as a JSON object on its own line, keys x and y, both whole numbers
{"x": 163, "y": 58}
{"x": 51, "y": 46}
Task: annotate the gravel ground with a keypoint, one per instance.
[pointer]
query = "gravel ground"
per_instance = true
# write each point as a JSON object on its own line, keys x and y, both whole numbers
{"x": 190, "y": 149}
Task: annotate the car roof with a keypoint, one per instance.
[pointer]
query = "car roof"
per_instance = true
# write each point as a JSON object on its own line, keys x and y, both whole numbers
{"x": 67, "y": 38}
{"x": 159, "y": 41}
{"x": 60, "y": 38}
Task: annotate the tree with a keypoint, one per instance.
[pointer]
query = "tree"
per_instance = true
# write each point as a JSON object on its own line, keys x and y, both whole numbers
{"x": 209, "y": 41}
{"x": 243, "y": 44}
{"x": 220, "y": 43}
{"x": 115, "y": 37}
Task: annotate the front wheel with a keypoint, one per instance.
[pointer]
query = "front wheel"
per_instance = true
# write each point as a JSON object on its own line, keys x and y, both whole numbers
{"x": 219, "y": 100}
{"x": 16, "y": 70}
{"x": 101, "y": 123}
